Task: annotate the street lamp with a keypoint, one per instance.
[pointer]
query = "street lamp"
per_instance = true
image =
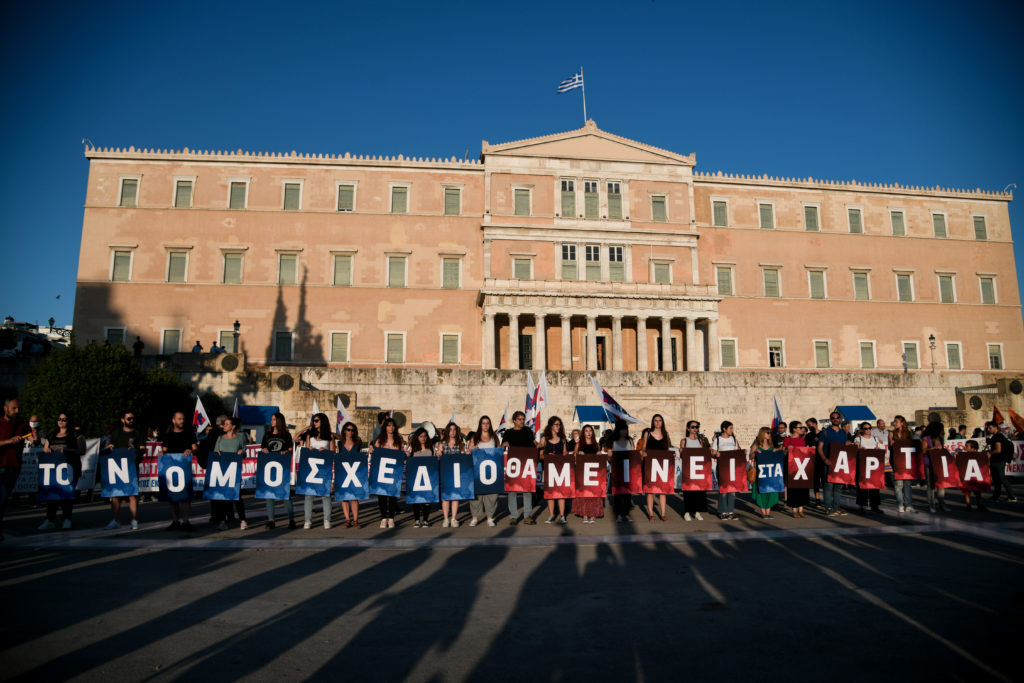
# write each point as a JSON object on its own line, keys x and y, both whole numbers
{"x": 238, "y": 326}
{"x": 931, "y": 345}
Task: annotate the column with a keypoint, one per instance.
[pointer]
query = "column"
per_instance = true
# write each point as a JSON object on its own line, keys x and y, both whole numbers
{"x": 513, "y": 341}
{"x": 591, "y": 342}
{"x": 540, "y": 352}
{"x": 713, "y": 350}
{"x": 691, "y": 346}
{"x": 616, "y": 342}
{"x": 641, "y": 344}
{"x": 489, "y": 341}
{"x": 666, "y": 343}
{"x": 566, "y": 342}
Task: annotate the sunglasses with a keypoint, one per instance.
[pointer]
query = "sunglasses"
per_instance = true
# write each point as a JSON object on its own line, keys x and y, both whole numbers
{"x": 694, "y": 427}
{"x": 62, "y": 419}
{"x": 348, "y": 429}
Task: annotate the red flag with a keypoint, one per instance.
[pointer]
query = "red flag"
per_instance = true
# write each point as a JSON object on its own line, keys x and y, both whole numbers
{"x": 732, "y": 472}
{"x": 842, "y": 463}
{"x": 975, "y": 474}
{"x": 871, "y": 468}
{"x": 697, "y": 468}
{"x": 1017, "y": 421}
{"x": 944, "y": 470}
{"x": 659, "y": 472}
{"x": 521, "y": 470}
{"x": 627, "y": 472}
{"x": 801, "y": 467}
{"x": 591, "y": 475}
{"x": 558, "y": 476}
{"x": 907, "y": 461}
{"x": 997, "y": 417}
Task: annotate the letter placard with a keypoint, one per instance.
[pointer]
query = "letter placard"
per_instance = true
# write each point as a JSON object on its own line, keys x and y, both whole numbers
{"x": 457, "y": 476}
{"x": 907, "y": 460}
{"x": 770, "y": 478}
{"x": 315, "y": 471}
{"x": 697, "y": 469}
{"x": 945, "y": 473}
{"x": 421, "y": 480}
{"x": 521, "y": 470}
{"x": 386, "y": 468}
{"x": 56, "y": 478}
{"x": 975, "y": 474}
{"x": 591, "y": 475}
{"x": 801, "y": 467}
{"x": 488, "y": 470}
{"x": 871, "y": 468}
{"x": 732, "y": 471}
{"x": 118, "y": 473}
{"x": 175, "y": 477}
{"x": 842, "y": 463}
{"x": 351, "y": 477}
{"x": 223, "y": 476}
{"x": 659, "y": 472}
{"x": 627, "y": 472}
{"x": 559, "y": 476}
{"x": 273, "y": 471}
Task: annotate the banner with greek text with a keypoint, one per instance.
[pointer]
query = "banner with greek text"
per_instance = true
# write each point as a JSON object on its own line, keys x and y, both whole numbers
{"x": 770, "y": 476}
{"x": 627, "y": 472}
{"x": 559, "y": 479}
{"x": 907, "y": 460}
{"x": 975, "y": 473}
{"x": 315, "y": 472}
{"x": 945, "y": 474}
{"x": 56, "y": 478}
{"x": 800, "y": 468}
{"x": 591, "y": 475}
{"x": 457, "y": 476}
{"x": 118, "y": 473}
{"x": 871, "y": 468}
{"x": 659, "y": 472}
{"x": 273, "y": 471}
{"x": 489, "y": 471}
{"x": 387, "y": 465}
{"x": 842, "y": 464}
{"x": 223, "y": 476}
{"x": 351, "y": 476}
{"x": 732, "y": 471}
{"x": 422, "y": 477}
{"x": 697, "y": 469}
{"x": 174, "y": 476}
{"x": 521, "y": 470}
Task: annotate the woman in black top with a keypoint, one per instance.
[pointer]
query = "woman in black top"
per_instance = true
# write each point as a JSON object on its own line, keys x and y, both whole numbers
{"x": 657, "y": 440}
{"x": 552, "y": 441}
{"x": 278, "y": 439}
{"x": 388, "y": 438}
{"x": 72, "y": 445}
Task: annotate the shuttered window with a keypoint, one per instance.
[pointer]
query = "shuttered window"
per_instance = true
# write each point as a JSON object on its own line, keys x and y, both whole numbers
{"x": 821, "y": 355}
{"x": 817, "y": 279}
{"x": 910, "y": 356}
{"x": 291, "y": 196}
{"x": 396, "y": 271}
{"x": 450, "y": 273}
{"x": 980, "y": 230}
{"x": 953, "y": 356}
{"x": 568, "y": 199}
{"x": 662, "y": 273}
{"x": 988, "y": 290}
{"x": 860, "y": 287}
{"x": 898, "y": 227}
{"x": 521, "y": 268}
{"x": 614, "y": 202}
{"x": 995, "y": 357}
{"x": 811, "y": 219}
{"x": 724, "y": 278}
{"x": 183, "y": 194}
{"x": 771, "y": 282}
{"x": 339, "y": 347}
{"x": 659, "y": 211}
{"x": 115, "y": 335}
{"x": 590, "y": 204}
{"x": 569, "y": 267}
{"x": 946, "y": 289}
{"x": 522, "y": 198}
{"x": 728, "y": 353}
{"x": 867, "y": 354}
{"x": 396, "y": 348}
{"x": 904, "y": 287}
{"x": 399, "y": 200}
{"x": 287, "y": 267}
{"x": 939, "y": 224}
{"x": 449, "y": 349}
{"x": 719, "y": 214}
{"x": 171, "y": 342}
{"x": 237, "y": 200}
{"x": 856, "y": 223}
{"x": 129, "y": 192}
{"x": 232, "y": 269}
{"x": 593, "y": 262}
{"x": 346, "y": 197}
{"x": 452, "y": 201}
{"x": 283, "y": 346}
{"x": 775, "y": 357}
{"x": 122, "y": 266}
{"x": 342, "y": 270}
{"x": 616, "y": 265}
{"x": 176, "y": 262}
{"x": 767, "y": 215}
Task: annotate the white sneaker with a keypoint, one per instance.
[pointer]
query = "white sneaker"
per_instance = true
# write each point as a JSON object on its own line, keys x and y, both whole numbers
{"x": 445, "y": 524}
{"x": 561, "y": 520}
{"x": 696, "y": 516}
{"x": 900, "y": 509}
{"x": 135, "y": 525}
{"x": 244, "y": 525}
{"x": 327, "y": 524}
{"x": 491, "y": 522}
{"x": 474, "y": 521}
{"x": 66, "y": 524}
{"x": 687, "y": 517}
{"x": 455, "y": 522}
{"x": 391, "y": 523}
{"x": 628, "y": 518}
{"x": 550, "y": 520}
{"x": 112, "y": 524}
{"x": 416, "y": 524}
{"x": 912, "y": 510}
{"x": 309, "y": 525}
{"x": 383, "y": 524}
{"x": 47, "y": 525}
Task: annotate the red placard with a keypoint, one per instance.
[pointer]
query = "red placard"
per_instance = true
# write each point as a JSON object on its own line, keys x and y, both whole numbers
{"x": 871, "y": 468}
{"x": 627, "y": 472}
{"x": 559, "y": 475}
{"x": 154, "y": 449}
{"x": 732, "y": 472}
{"x": 659, "y": 472}
{"x": 591, "y": 475}
{"x": 521, "y": 470}
{"x": 975, "y": 474}
{"x": 945, "y": 473}
{"x": 907, "y": 460}
{"x": 842, "y": 463}
{"x": 697, "y": 468}
{"x": 800, "y": 467}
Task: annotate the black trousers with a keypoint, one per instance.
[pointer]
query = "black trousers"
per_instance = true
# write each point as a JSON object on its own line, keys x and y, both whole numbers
{"x": 420, "y": 511}
{"x": 866, "y": 495}
{"x": 65, "y": 509}
{"x": 220, "y": 510}
{"x": 388, "y": 506}
{"x": 820, "y": 474}
{"x": 999, "y": 480}
{"x": 622, "y": 503}
{"x": 695, "y": 501}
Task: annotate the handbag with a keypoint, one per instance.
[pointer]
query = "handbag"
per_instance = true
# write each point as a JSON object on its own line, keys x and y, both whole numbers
{"x": 752, "y": 472}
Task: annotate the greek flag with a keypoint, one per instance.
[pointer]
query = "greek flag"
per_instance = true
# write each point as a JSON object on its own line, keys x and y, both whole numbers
{"x": 568, "y": 84}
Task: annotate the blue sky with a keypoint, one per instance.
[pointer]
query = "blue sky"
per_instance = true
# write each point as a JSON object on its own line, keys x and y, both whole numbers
{"x": 924, "y": 93}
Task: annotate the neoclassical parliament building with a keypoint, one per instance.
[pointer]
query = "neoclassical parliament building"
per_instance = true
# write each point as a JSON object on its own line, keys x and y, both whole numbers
{"x": 580, "y": 250}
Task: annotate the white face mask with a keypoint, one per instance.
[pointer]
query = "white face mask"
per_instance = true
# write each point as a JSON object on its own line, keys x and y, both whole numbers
{"x": 33, "y": 425}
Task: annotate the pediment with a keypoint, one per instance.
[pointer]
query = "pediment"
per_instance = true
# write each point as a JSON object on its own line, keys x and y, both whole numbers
{"x": 588, "y": 142}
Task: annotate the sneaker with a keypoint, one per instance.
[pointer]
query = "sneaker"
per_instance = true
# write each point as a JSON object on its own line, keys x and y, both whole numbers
{"x": 562, "y": 520}
{"x": 47, "y": 525}
{"x": 474, "y": 521}
{"x": 530, "y": 521}
{"x": 550, "y": 520}
{"x": 491, "y": 522}
{"x": 112, "y": 524}
{"x": 293, "y": 525}
{"x": 445, "y": 524}
{"x": 309, "y": 525}
{"x": 618, "y": 518}
{"x": 900, "y": 509}
{"x": 135, "y": 525}
{"x": 1012, "y": 499}
{"x": 723, "y": 516}
{"x": 173, "y": 526}
{"x": 423, "y": 524}
{"x": 223, "y": 526}
{"x": 391, "y": 523}
{"x": 912, "y": 510}
{"x": 687, "y": 517}
{"x": 416, "y": 524}
{"x": 513, "y": 521}
{"x": 327, "y": 524}
{"x": 931, "y": 509}
{"x": 243, "y": 525}
{"x": 945, "y": 508}
{"x": 455, "y": 522}
{"x": 270, "y": 524}
{"x": 383, "y": 524}
{"x": 628, "y": 518}
{"x": 732, "y": 515}
{"x": 841, "y": 512}
{"x": 187, "y": 526}
{"x": 696, "y": 516}
{"x": 66, "y": 524}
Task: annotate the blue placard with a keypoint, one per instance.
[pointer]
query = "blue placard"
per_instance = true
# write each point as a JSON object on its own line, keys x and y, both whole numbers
{"x": 223, "y": 476}
{"x": 488, "y": 470}
{"x": 119, "y": 473}
{"x": 315, "y": 471}
{"x": 351, "y": 476}
{"x": 386, "y": 468}
{"x": 175, "y": 475}
{"x": 56, "y": 478}
{"x": 421, "y": 480}
{"x": 273, "y": 472}
{"x": 770, "y": 477}
{"x": 457, "y": 476}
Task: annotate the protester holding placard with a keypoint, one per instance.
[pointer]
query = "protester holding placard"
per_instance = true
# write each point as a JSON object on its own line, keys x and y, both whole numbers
{"x": 904, "y": 487}
{"x": 232, "y": 440}
{"x": 762, "y": 445}
{"x": 485, "y": 503}
{"x": 72, "y": 446}
{"x": 126, "y": 436}
{"x": 811, "y": 439}
{"x": 278, "y": 439}
{"x": 179, "y": 439}
{"x": 552, "y": 441}
{"x": 866, "y": 440}
{"x": 12, "y": 443}
{"x": 932, "y": 438}
{"x": 622, "y": 503}
{"x": 349, "y": 444}
{"x": 317, "y": 437}
{"x": 519, "y": 437}
{"x": 587, "y": 507}
{"x": 725, "y": 441}
{"x": 694, "y": 502}
{"x": 971, "y": 447}
{"x": 1000, "y": 451}
{"x": 450, "y": 443}
{"x": 834, "y": 433}
{"x": 420, "y": 447}
{"x": 796, "y": 497}
{"x": 657, "y": 439}
{"x": 387, "y": 437}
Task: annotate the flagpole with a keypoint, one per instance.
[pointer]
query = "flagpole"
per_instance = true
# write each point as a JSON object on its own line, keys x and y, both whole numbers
{"x": 583, "y": 83}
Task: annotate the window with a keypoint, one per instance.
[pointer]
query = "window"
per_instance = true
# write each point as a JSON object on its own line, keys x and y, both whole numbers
{"x": 904, "y": 287}
{"x": 723, "y": 275}
{"x": 910, "y": 356}
{"x": 227, "y": 341}
{"x": 590, "y": 206}
{"x": 450, "y": 273}
{"x": 856, "y": 223}
{"x": 861, "y": 291}
{"x": 817, "y": 282}
{"x": 728, "y": 347}
{"x": 292, "y": 192}
{"x": 766, "y": 212}
{"x": 593, "y": 262}
{"x": 521, "y": 268}
{"x": 898, "y": 227}
{"x": 177, "y": 262}
{"x": 287, "y": 267}
{"x": 953, "y": 355}
{"x": 719, "y": 214}
{"x": 822, "y": 356}
{"x": 346, "y": 198}
{"x": 449, "y": 349}
{"x": 614, "y": 202}
{"x": 339, "y": 347}
{"x": 946, "y": 293}
{"x": 183, "y": 194}
{"x": 568, "y": 198}
{"x": 771, "y": 282}
{"x": 995, "y": 357}
{"x": 522, "y": 202}
{"x": 811, "y": 223}
{"x": 659, "y": 209}
{"x": 121, "y": 270}
{"x": 939, "y": 224}
{"x": 342, "y": 270}
{"x": 237, "y": 197}
{"x": 867, "y": 354}
{"x": 616, "y": 265}
{"x": 988, "y": 289}
{"x": 662, "y": 273}
{"x": 395, "y": 347}
{"x": 232, "y": 269}
{"x": 452, "y": 201}
{"x": 114, "y": 335}
{"x": 283, "y": 346}
{"x": 396, "y": 271}
{"x": 129, "y": 192}
{"x": 171, "y": 342}
{"x": 400, "y": 199}
{"x": 775, "y": 355}
{"x": 980, "y": 230}
{"x": 569, "y": 267}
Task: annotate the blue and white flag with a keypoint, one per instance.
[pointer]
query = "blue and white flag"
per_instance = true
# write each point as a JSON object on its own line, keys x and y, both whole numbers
{"x": 315, "y": 471}
{"x": 457, "y": 476}
{"x": 488, "y": 470}
{"x": 770, "y": 477}
{"x": 776, "y": 414}
{"x": 223, "y": 476}
{"x": 272, "y": 476}
{"x": 119, "y": 473}
{"x": 56, "y": 478}
{"x": 174, "y": 472}
{"x": 351, "y": 477}
{"x": 421, "y": 480}
{"x": 386, "y": 468}
{"x": 574, "y": 81}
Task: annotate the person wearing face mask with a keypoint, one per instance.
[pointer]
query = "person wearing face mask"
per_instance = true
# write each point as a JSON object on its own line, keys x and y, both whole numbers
{"x": 12, "y": 440}
{"x": 126, "y": 436}
{"x": 36, "y": 435}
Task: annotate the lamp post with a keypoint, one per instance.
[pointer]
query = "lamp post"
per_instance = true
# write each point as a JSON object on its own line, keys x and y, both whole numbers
{"x": 51, "y": 321}
{"x": 237, "y": 327}
{"x": 931, "y": 345}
